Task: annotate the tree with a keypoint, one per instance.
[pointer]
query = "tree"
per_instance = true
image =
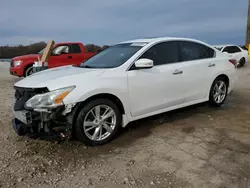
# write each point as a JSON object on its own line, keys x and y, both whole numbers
{"x": 12, "y": 51}
{"x": 105, "y": 47}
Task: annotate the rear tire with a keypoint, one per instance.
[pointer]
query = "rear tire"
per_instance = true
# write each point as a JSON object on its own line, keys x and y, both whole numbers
{"x": 218, "y": 92}
{"x": 242, "y": 62}
{"x": 98, "y": 122}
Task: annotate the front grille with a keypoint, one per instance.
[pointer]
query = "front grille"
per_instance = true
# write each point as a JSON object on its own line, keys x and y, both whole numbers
{"x": 23, "y": 94}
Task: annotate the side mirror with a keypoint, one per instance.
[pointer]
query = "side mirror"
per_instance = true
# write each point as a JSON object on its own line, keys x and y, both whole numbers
{"x": 144, "y": 63}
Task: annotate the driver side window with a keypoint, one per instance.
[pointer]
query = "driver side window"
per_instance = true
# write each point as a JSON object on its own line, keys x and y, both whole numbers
{"x": 64, "y": 49}
{"x": 162, "y": 53}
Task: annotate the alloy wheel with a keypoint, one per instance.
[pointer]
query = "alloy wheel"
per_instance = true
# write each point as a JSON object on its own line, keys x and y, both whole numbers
{"x": 99, "y": 122}
{"x": 219, "y": 91}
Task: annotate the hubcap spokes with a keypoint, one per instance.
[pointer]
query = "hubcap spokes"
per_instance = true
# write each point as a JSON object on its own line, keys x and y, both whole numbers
{"x": 219, "y": 92}
{"x": 99, "y": 122}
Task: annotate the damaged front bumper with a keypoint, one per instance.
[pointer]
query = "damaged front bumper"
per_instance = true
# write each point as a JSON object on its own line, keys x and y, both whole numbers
{"x": 45, "y": 124}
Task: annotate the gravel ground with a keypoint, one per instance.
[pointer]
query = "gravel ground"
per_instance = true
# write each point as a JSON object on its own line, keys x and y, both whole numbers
{"x": 197, "y": 146}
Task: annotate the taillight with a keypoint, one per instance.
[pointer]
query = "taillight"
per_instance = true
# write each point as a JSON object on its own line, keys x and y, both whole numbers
{"x": 234, "y": 62}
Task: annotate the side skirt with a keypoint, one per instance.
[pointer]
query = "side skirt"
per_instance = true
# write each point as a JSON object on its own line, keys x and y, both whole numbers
{"x": 126, "y": 120}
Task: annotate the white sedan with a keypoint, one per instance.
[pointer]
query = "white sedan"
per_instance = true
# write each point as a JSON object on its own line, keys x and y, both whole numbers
{"x": 235, "y": 52}
{"x": 126, "y": 82}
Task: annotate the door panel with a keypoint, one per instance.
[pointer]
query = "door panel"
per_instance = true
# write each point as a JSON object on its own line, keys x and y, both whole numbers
{"x": 76, "y": 55}
{"x": 198, "y": 78}
{"x": 59, "y": 56}
{"x": 198, "y": 65}
{"x": 159, "y": 87}
{"x": 69, "y": 54}
{"x": 57, "y": 61}
{"x": 155, "y": 89}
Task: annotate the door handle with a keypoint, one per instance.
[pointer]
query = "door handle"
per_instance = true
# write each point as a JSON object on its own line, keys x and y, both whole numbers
{"x": 70, "y": 57}
{"x": 211, "y": 65}
{"x": 177, "y": 72}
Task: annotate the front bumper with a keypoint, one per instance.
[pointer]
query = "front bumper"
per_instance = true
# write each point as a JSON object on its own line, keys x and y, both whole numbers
{"x": 25, "y": 130}
{"x": 42, "y": 125}
{"x": 16, "y": 71}
{"x": 46, "y": 124}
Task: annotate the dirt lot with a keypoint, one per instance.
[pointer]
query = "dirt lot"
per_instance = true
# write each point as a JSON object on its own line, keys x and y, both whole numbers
{"x": 194, "y": 147}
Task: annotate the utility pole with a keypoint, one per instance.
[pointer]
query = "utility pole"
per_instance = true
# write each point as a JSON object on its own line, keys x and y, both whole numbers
{"x": 248, "y": 26}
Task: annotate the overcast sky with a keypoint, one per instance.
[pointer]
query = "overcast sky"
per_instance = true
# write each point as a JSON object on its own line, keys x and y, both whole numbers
{"x": 110, "y": 21}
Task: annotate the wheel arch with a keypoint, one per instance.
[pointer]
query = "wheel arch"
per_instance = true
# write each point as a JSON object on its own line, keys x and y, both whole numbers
{"x": 243, "y": 58}
{"x": 28, "y": 65}
{"x": 109, "y": 96}
{"x": 80, "y": 105}
{"x": 241, "y": 62}
{"x": 225, "y": 77}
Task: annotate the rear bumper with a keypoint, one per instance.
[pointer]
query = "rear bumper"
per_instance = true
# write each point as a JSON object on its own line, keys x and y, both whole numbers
{"x": 16, "y": 71}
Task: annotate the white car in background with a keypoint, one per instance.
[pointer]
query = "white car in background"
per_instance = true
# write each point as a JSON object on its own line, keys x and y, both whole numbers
{"x": 126, "y": 82}
{"x": 235, "y": 52}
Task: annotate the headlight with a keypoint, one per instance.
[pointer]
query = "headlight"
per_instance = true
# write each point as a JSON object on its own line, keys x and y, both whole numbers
{"x": 17, "y": 63}
{"x": 49, "y": 100}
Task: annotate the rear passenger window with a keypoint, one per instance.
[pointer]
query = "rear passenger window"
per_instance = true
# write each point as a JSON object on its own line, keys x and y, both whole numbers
{"x": 236, "y": 49}
{"x": 231, "y": 49}
{"x": 162, "y": 53}
{"x": 193, "y": 51}
{"x": 74, "y": 49}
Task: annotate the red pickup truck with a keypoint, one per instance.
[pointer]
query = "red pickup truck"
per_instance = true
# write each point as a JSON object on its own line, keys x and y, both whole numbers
{"x": 72, "y": 53}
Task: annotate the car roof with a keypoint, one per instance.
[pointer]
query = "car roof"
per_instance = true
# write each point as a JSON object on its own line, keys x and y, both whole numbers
{"x": 158, "y": 39}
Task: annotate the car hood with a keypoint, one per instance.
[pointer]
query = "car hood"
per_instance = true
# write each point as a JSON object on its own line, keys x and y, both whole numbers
{"x": 58, "y": 77}
{"x": 27, "y": 57}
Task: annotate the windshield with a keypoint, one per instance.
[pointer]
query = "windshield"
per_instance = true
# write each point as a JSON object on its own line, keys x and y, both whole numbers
{"x": 113, "y": 56}
{"x": 41, "y": 52}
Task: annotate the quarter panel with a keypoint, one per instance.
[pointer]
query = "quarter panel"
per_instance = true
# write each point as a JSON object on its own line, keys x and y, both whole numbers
{"x": 224, "y": 67}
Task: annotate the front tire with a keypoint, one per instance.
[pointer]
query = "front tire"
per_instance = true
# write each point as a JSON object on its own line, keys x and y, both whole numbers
{"x": 98, "y": 122}
{"x": 28, "y": 71}
{"x": 218, "y": 92}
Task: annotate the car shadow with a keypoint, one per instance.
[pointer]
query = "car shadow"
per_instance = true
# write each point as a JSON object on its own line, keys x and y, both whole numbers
{"x": 75, "y": 152}
{"x": 143, "y": 128}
